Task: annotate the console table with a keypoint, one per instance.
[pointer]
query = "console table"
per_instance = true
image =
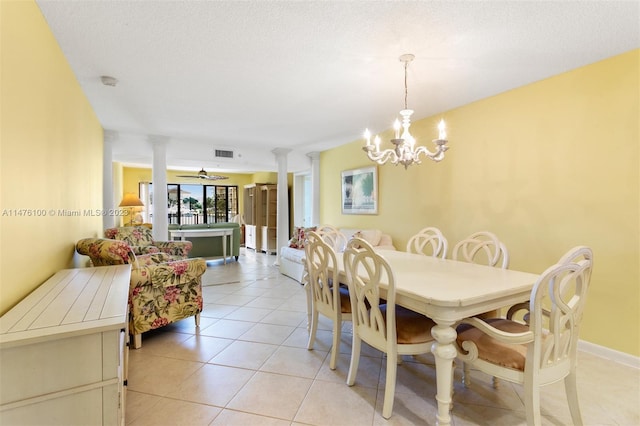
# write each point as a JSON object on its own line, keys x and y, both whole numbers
{"x": 211, "y": 232}
{"x": 63, "y": 350}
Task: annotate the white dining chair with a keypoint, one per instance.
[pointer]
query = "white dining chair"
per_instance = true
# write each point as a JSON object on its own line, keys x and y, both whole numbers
{"x": 392, "y": 329}
{"x": 482, "y": 248}
{"x": 328, "y": 297}
{"x": 332, "y": 236}
{"x": 544, "y": 350}
{"x": 428, "y": 241}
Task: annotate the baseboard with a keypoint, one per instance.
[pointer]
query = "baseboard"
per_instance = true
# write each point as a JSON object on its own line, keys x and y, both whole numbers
{"x": 610, "y": 354}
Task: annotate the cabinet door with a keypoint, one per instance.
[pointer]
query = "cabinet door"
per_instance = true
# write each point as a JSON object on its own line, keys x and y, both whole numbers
{"x": 251, "y": 236}
{"x": 114, "y": 366}
{"x": 122, "y": 384}
{"x": 265, "y": 240}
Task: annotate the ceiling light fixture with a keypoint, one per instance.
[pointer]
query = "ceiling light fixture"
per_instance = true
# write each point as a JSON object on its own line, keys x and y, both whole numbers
{"x": 405, "y": 151}
{"x": 202, "y": 174}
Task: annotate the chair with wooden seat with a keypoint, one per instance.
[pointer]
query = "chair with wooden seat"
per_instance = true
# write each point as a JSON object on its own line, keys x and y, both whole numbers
{"x": 328, "y": 297}
{"x": 544, "y": 350}
{"x": 483, "y": 248}
{"x": 392, "y": 329}
{"x": 428, "y": 241}
{"x": 332, "y": 236}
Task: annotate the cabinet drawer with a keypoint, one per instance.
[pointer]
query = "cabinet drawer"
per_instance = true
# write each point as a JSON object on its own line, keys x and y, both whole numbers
{"x": 83, "y": 408}
{"x": 50, "y": 366}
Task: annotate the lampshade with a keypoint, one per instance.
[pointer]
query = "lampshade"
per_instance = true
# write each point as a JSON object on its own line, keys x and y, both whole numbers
{"x": 130, "y": 200}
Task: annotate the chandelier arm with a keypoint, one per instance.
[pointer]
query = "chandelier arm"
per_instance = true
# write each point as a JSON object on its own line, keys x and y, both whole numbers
{"x": 438, "y": 155}
{"x": 381, "y": 157}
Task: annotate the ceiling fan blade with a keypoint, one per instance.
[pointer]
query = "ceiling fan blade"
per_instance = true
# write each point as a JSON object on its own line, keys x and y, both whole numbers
{"x": 202, "y": 174}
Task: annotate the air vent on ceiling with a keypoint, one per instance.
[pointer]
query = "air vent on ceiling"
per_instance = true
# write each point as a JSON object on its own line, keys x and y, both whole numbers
{"x": 223, "y": 153}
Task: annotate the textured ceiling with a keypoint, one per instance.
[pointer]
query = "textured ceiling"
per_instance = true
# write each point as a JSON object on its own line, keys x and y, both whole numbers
{"x": 252, "y": 76}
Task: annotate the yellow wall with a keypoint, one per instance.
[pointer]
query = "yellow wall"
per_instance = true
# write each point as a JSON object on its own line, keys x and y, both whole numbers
{"x": 50, "y": 155}
{"x": 546, "y": 167}
{"x": 132, "y": 176}
{"x": 265, "y": 177}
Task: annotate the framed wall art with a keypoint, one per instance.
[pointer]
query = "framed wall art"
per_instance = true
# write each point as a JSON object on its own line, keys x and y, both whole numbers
{"x": 360, "y": 191}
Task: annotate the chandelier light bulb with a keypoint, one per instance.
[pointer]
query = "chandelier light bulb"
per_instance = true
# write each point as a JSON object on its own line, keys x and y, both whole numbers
{"x": 396, "y": 127}
{"x": 367, "y": 136}
{"x": 442, "y": 130}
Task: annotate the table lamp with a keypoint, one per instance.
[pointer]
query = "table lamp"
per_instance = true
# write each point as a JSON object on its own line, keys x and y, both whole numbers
{"x": 129, "y": 201}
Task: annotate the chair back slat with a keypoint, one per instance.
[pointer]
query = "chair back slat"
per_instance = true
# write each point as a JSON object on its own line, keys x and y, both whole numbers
{"x": 428, "y": 241}
{"x": 366, "y": 270}
{"x": 321, "y": 269}
{"x": 482, "y": 248}
{"x": 557, "y": 305}
{"x": 332, "y": 236}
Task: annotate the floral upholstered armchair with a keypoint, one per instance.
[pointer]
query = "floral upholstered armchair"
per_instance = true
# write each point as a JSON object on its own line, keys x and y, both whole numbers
{"x": 141, "y": 241}
{"x": 162, "y": 290}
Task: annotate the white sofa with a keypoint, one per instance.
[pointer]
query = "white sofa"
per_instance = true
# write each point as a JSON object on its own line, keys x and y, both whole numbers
{"x": 292, "y": 258}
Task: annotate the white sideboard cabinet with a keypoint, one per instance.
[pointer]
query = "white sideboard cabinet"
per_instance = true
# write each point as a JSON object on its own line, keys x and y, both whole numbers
{"x": 63, "y": 350}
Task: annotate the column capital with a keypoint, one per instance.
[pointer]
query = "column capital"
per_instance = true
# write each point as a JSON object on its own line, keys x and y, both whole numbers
{"x": 315, "y": 155}
{"x": 281, "y": 152}
{"x": 158, "y": 139}
{"x": 110, "y": 135}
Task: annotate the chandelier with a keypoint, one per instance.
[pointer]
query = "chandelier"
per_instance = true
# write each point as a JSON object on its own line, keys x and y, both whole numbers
{"x": 405, "y": 151}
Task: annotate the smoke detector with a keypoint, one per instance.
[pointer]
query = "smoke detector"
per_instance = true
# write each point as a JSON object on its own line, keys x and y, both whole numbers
{"x": 109, "y": 81}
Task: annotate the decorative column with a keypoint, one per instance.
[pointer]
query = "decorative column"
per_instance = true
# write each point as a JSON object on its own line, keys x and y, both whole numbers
{"x": 160, "y": 193}
{"x": 283, "y": 200}
{"x": 315, "y": 187}
{"x": 108, "y": 203}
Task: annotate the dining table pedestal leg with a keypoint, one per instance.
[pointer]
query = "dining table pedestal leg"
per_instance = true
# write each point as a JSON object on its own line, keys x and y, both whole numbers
{"x": 444, "y": 352}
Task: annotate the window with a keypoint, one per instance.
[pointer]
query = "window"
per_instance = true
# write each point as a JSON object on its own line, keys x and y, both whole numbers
{"x": 193, "y": 204}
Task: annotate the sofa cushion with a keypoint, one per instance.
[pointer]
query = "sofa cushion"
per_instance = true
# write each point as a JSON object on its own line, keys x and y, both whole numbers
{"x": 299, "y": 236}
{"x": 135, "y": 236}
{"x": 372, "y": 236}
{"x": 292, "y": 254}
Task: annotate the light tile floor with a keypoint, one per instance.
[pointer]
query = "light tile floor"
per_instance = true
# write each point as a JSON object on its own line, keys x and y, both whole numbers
{"x": 248, "y": 364}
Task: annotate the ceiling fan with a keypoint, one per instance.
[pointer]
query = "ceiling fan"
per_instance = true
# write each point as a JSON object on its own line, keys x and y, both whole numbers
{"x": 202, "y": 174}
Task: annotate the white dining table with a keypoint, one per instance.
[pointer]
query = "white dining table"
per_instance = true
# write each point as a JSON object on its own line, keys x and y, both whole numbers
{"x": 448, "y": 291}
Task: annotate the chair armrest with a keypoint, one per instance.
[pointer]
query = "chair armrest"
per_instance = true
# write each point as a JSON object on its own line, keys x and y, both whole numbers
{"x": 154, "y": 258}
{"x": 502, "y": 336}
{"x": 497, "y": 341}
{"x": 524, "y": 306}
{"x": 169, "y": 273}
{"x": 104, "y": 252}
{"x": 174, "y": 248}
{"x": 145, "y": 249}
